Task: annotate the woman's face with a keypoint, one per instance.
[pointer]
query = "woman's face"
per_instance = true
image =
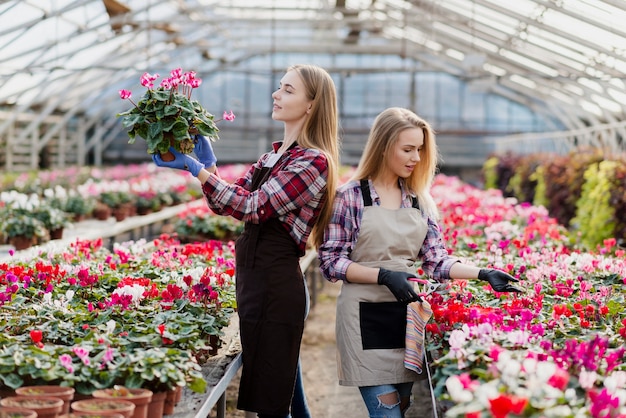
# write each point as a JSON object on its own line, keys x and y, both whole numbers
{"x": 290, "y": 101}
{"x": 405, "y": 154}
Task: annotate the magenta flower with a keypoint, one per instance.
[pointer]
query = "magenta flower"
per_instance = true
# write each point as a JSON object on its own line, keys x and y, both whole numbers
{"x": 125, "y": 94}
{"x": 228, "y": 116}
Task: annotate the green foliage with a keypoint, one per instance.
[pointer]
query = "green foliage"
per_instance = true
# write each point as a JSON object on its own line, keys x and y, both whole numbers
{"x": 208, "y": 226}
{"x": 490, "y": 175}
{"x": 164, "y": 115}
{"x": 595, "y": 217}
{"x": 540, "y": 189}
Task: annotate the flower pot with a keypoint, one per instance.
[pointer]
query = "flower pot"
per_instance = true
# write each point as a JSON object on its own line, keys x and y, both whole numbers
{"x": 104, "y": 407}
{"x": 168, "y": 156}
{"x": 140, "y": 397}
{"x": 120, "y": 213}
{"x": 22, "y": 242}
{"x": 90, "y": 415}
{"x": 170, "y": 402}
{"x": 156, "y": 405}
{"x": 8, "y": 412}
{"x": 56, "y": 233}
{"x": 44, "y": 406}
{"x": 62, "y": 392}
{"x": 102, "y": 212}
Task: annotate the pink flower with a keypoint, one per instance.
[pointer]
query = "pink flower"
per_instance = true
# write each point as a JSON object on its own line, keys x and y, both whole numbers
{"x": 125, "y": 94}
{"x": 228, "y": 116}
{"x": 66, "y": 361}
{"x": 559, "y": 379}
{"x": 147, "y": 80}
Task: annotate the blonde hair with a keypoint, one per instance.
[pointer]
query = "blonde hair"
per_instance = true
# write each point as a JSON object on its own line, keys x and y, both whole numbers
{"x": 383, "y": 137}
{"x": 320, "y": 131}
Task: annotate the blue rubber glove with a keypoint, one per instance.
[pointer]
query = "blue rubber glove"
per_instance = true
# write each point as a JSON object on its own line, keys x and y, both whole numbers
{"x": 204, "y": 151}
{"x": 181, "y": 162}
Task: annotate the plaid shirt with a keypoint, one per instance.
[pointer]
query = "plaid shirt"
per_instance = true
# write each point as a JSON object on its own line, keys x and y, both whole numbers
{"x": 294, "y": 192}
{"x": 341, "y": 235}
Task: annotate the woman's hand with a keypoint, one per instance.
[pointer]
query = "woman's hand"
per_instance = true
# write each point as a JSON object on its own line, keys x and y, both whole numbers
{"x": 180, "y": 162}
{"x": 499, "y": 280}
{"x": 204, "y": 151}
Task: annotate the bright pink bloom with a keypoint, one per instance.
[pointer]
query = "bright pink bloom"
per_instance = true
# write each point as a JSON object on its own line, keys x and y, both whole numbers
{"x": 228, "y": 116}
{"x": 125, "y": 94}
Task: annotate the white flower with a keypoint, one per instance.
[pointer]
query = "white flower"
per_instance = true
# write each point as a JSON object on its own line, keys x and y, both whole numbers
{"x": 135, "y": 291}
{"x": 456, "y": 390}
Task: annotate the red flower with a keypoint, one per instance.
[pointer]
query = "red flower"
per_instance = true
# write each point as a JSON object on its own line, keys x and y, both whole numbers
{"x": 505, "y": 404}
{"x": 559, "y": 379}
{"x": 36, "y": 335}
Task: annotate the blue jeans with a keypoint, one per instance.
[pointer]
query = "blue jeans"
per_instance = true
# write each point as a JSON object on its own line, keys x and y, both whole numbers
{"x": 379, "y": 409}
{"x": 299, "y": 405}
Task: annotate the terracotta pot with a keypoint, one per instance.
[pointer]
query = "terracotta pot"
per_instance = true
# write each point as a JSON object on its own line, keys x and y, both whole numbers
{"x": 170, "y": 402}
{"x": 44, "y": 406}
{"x": 56, "y": 233}
{"x": 7, "y": 412}
{"x": 156, "y": 405}
{"x": 21, "y": 242}
{"x": 104, "y": 407}
{"x": 62, "y": 392}
{"x": 102, "y": 212}
{"x": 120, "y": 213}
{"x": 140, "y": 397}
{"x": 89, "y": 415}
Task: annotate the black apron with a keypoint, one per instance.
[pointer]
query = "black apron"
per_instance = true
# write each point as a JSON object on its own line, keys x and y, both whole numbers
{"x": 271, "y": 303}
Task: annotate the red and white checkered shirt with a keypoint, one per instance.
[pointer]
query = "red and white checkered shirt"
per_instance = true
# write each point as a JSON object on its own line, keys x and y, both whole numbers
{"x": 294, "y": 192}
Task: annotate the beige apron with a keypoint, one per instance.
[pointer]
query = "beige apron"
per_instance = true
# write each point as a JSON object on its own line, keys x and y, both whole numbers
{"x": 371, "y": 324}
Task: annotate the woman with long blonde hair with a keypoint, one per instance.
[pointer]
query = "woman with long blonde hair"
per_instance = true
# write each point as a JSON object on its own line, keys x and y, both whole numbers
{"x": 285, "y": 199}
{"x": 383, "y": 227}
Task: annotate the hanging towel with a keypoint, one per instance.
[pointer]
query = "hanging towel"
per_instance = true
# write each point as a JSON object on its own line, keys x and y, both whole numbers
{"x": 417, "y": 315}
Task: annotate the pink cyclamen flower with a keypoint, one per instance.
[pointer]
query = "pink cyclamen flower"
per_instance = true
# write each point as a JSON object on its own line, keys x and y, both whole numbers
{"x": 66, "y": 361}
{"x": 125, "y": 94}
{"x": 228, "y": 116}
{"x": 147, "y": 80}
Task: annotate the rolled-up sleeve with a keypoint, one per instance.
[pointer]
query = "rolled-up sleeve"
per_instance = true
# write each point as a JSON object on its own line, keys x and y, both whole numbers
{"x": 436, "y": 260}
{"x": 340, "y": 235}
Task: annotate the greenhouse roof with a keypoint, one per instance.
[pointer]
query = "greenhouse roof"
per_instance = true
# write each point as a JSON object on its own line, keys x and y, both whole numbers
{"x": 565, "y": 58}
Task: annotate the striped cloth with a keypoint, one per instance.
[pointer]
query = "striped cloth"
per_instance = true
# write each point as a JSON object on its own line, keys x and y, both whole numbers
{"x": 417, "y": 316}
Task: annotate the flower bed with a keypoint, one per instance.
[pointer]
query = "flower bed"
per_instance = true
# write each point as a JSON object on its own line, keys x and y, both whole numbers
{"x": 556, "y": 350}
{"x": 141, "y": 315}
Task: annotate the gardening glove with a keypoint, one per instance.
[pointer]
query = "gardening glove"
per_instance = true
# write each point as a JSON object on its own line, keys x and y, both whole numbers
{"x": 204, "y": 151}
{"x": 499, "y": 280}
{"x": 180, "y": 162}
{"x": 398, "y": 284}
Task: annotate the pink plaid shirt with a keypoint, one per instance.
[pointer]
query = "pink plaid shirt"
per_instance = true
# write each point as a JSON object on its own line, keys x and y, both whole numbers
{"x": 343, "y": 231}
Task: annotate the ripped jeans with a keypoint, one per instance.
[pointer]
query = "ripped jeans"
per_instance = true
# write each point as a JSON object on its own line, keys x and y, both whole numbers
{"x": 378, "y": 409}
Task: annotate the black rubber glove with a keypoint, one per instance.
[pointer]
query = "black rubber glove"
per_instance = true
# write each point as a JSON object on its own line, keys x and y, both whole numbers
{"x": 499, "y": 280}
{"x": 397, "y": 282}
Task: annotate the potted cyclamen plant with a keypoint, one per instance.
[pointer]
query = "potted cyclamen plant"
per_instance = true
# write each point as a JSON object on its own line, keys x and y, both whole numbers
{"x": 167, "y": 117}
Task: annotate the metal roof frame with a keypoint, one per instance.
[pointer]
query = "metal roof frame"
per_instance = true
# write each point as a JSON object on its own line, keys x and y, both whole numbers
{"x": 563, "y": 58}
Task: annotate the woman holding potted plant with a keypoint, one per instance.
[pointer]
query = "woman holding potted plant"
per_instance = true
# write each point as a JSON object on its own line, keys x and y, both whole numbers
{"x": 283, "y": 199}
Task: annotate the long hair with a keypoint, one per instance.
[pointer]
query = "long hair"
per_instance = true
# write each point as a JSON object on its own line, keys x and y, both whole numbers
{"x": 320, "y": 131}
{"x": 383, "y": 137}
